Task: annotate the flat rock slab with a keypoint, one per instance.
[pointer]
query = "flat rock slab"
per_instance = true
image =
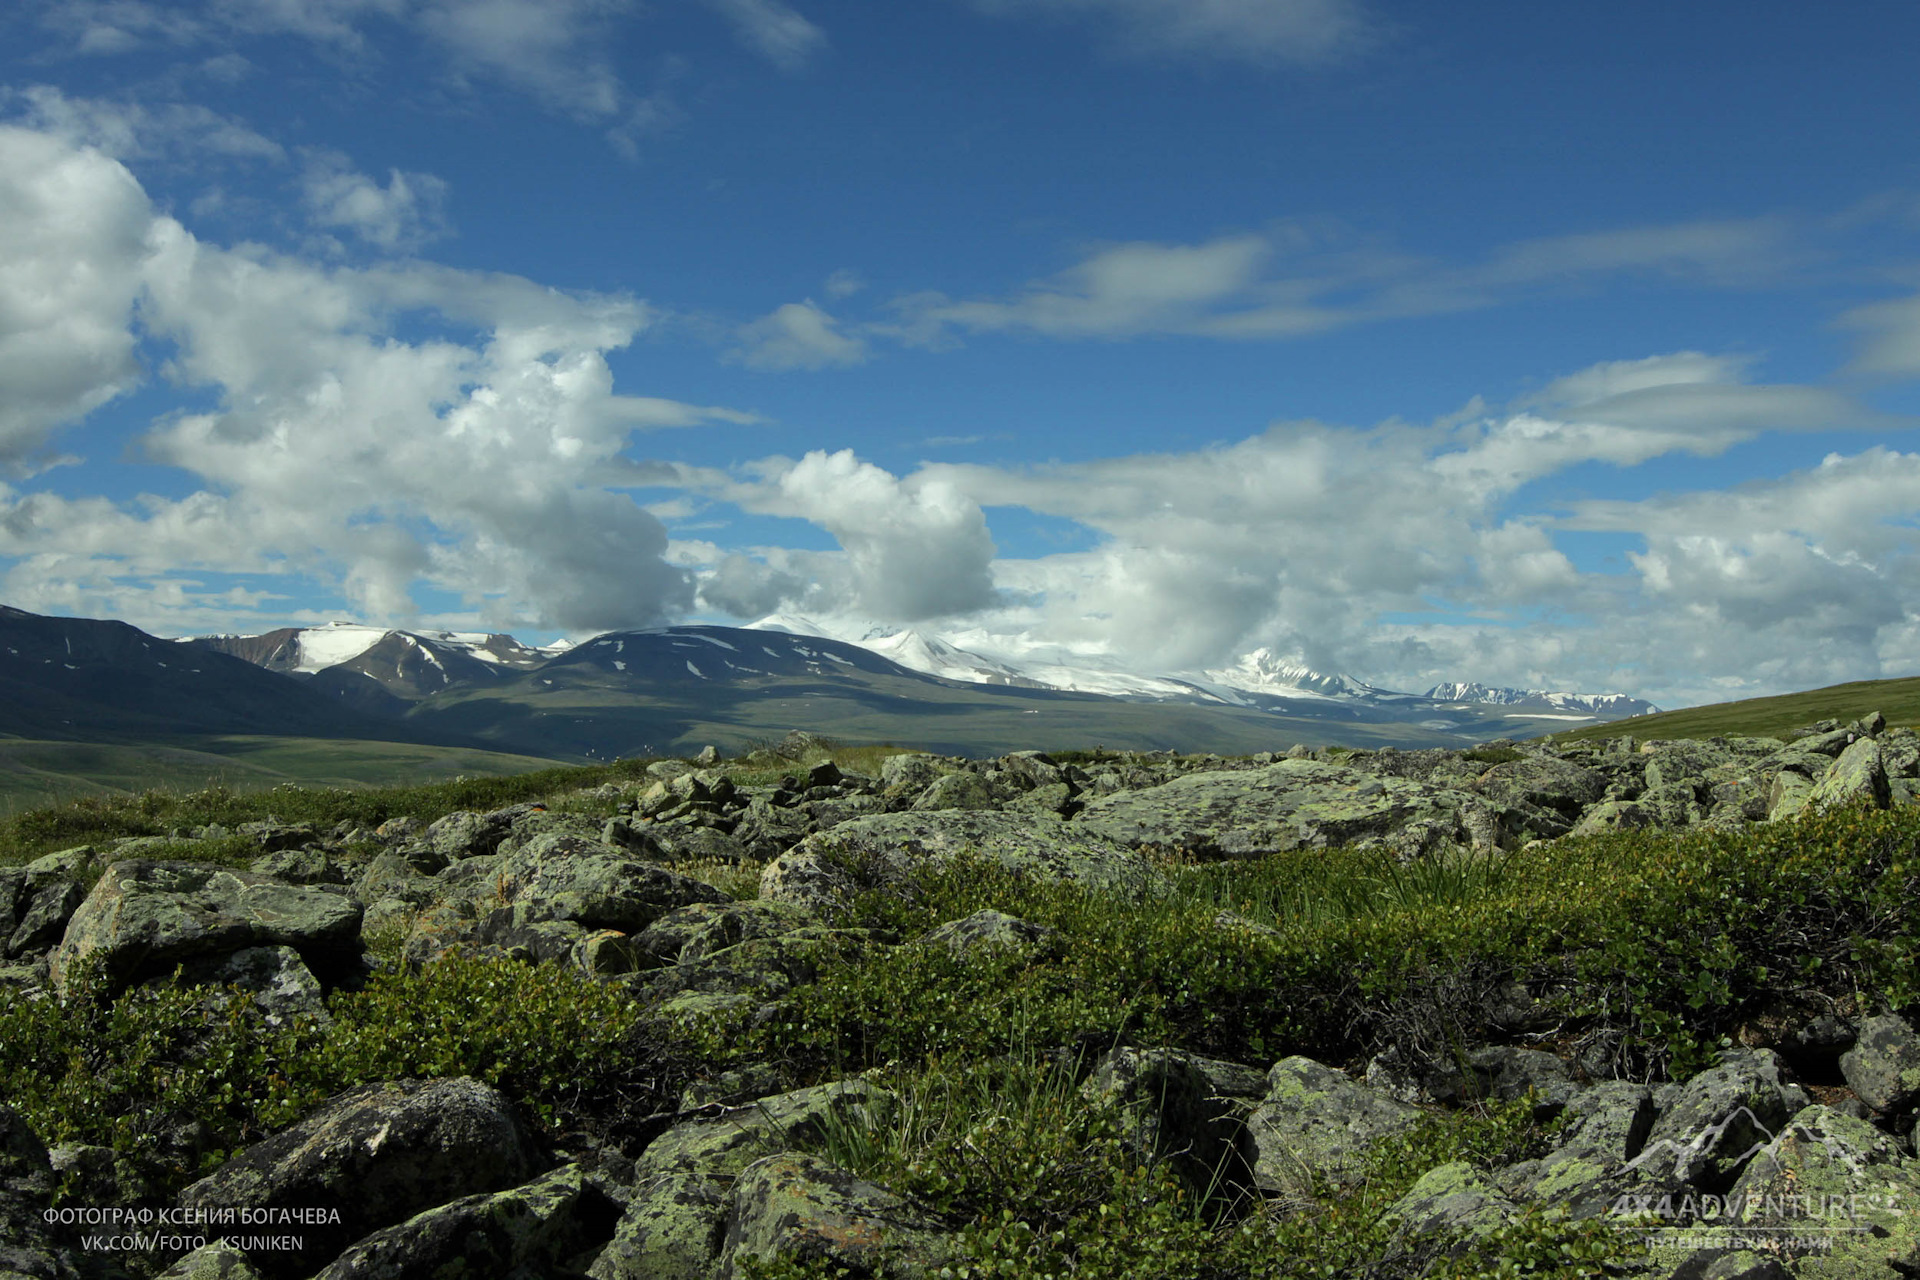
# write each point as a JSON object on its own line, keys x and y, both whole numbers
{"x": 370, "y": 1158}
{"x": 1295, "y": 804}
{"x": 143, "y": 918}
{"x": 828, "y": 869}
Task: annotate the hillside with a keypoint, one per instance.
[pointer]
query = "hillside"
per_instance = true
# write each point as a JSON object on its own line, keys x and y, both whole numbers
{"x": 1898, "y": 700}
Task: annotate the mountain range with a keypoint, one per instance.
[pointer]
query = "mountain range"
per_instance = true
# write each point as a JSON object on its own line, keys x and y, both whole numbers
{"x": 670, "y": 690}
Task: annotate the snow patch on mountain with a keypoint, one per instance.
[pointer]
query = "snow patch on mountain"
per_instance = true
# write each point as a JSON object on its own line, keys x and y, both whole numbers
{"x": 1497, "y": 695}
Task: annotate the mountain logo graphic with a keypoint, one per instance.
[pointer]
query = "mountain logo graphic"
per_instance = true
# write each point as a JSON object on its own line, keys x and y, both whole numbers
{"x": 1687, "y": 1156}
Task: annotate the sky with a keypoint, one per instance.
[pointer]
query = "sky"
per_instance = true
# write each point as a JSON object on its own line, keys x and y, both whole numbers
{"x": 1568, "y": 347}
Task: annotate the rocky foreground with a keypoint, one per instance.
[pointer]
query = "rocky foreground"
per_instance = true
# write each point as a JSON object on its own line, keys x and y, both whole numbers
{"x": 444, "y": 1177}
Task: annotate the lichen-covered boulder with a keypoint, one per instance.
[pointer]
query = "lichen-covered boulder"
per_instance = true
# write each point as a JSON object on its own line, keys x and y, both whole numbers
{"x": 803, "y": 1208}
{"x": 143, "y": 918}
{"x": 1315, "y": 1122}
{"x": 762, "y": 968}
{"x": 1883, "y": 1066}
{"x": 1176, "y": 1111}
{"x": 961, "y": 789}
{"x": 672, "y": 1229}
{"x": 540, "y": 1228}
{"x": 1603, "y": 1128}
{"x": 1831, "y": 1176}
{"x": 1719, "y": 1118}
{"x": 283, "y": 988}
{"x": 692, "y": 933}
{"x": 734, "y": 1137}
{"x": 1614, "y": 815}
{"x": 215, "y": 1260}
{"x": 1858, "y": 776}
{"x": 1545, "y": 781}
{"x": 1451, "y": 1198}
{"x": 557, "y": 876}
{"x": 38, "y": 899}
{"x": 827, "y": 870}
{"x": 1294, "y": 804}
{"x": 373, "y": 1156}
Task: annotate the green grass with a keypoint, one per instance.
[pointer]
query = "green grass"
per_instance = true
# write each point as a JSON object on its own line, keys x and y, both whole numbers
{"x": 35, "y": 773}
{"x": 1897, "y": 700}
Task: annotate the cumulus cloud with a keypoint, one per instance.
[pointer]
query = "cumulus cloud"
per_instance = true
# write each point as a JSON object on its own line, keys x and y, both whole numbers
{"x": 911, "y": 548}
{"x": 1260, "y": 31}
{"x": 408, "y": 212}
{"x": 1391, "y": 552}
{"x": 798, "y": 335}
{"x": 773, "y": 30}
{"x": 485, "y": 459}
{"x": 73, "y": 241}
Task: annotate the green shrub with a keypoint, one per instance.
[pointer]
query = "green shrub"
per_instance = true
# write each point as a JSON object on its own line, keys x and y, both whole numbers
{"x": 126, "y": 1072}
{"x": 545, "y": 1035}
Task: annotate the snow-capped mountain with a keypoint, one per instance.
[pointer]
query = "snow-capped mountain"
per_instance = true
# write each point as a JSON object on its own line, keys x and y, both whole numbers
{"x": 1261, "y": 678}
{"x": 310, "y": 650}
{"x": 393, "y": 672}
{"x": 1601, "y": 704}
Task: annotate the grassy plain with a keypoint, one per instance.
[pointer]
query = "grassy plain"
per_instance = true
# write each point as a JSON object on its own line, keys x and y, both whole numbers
{"x": 39, "y": 772}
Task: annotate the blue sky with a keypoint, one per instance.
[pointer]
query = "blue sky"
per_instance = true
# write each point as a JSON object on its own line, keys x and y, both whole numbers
{"x": 1515, "y": 343}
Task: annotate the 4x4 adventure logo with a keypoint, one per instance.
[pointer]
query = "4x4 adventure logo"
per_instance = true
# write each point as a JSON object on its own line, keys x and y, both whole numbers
{"x": 1768, "y": 1209}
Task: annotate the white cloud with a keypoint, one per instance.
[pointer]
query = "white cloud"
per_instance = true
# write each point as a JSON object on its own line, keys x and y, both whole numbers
{"x": 486, "y": 460}
{"x": 403, "y": 215}
{"x": 798, "y": 335}
{"x": 1258, "y": 31}
{"x": 774, "y": 30}
{"x": 545, "y": 47}
{"x": 1391, "y": 553}
{"x": 844, "y": 283}
{"x": 73, "y": 241}
{"x": 1891, "y": 345}
{"x": 1295, "y": 280}
{"x": 552, "y": 50}
{"x": 910, "y": 549}
{"x": 132, "y": 130}
{"x": 107, "y": 27}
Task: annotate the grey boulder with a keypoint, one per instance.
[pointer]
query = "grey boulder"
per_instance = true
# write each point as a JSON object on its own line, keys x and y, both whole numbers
{"x": 372, "y": 1157}
{"x": 143, "y": 918}
{"x": 1294, "y": 804}
{"x": 828, "y": 870}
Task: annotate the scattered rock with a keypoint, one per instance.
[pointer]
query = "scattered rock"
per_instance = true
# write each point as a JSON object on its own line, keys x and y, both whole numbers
{"x": 1883, "y": 1066}
{"x": 372, "y": 1157}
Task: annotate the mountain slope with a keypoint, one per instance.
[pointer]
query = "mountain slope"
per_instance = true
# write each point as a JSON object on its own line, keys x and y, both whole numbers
{"x": 671, "y": 691}
{"x": 83, "y": 679}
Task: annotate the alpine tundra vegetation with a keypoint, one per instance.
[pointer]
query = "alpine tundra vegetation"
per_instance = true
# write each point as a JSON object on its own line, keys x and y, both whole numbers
{"x": 1577, "y": 1008}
